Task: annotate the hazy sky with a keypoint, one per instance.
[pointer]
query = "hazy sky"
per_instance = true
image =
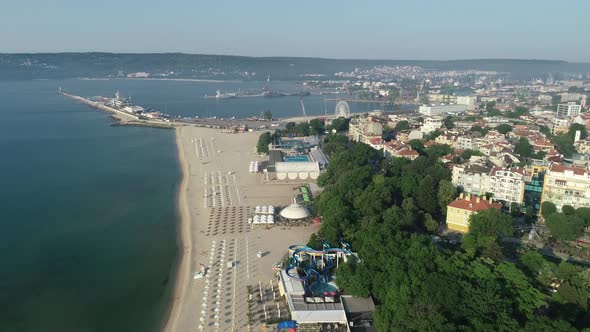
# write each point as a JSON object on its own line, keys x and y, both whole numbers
{"x": 394, "y": 29}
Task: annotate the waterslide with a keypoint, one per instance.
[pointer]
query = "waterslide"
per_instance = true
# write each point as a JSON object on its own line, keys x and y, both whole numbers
{"x": 310, "y": 271}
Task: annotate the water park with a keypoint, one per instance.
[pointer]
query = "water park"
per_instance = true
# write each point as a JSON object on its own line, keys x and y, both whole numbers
{"x": 313, "y": 267}
{"x": 309, "y": 285}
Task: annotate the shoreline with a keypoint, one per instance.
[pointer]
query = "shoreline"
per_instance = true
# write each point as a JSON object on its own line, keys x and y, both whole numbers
{"x": 181, "y": 275}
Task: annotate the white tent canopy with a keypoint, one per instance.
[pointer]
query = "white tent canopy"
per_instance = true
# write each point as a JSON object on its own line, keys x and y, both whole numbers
{"x": 295, "y": 211}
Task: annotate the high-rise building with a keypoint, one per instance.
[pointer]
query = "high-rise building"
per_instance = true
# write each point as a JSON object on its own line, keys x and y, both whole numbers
{"x": 568, "y": 110}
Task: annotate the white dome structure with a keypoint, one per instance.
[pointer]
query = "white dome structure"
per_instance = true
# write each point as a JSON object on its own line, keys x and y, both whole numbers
{"x": 342, "y": 110}
{"x": 295, "y": 211}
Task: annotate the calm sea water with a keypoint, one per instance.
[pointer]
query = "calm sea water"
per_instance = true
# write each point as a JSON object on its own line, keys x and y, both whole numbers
{"x": 87, "y": 216}
{"x": 88, "y": 211}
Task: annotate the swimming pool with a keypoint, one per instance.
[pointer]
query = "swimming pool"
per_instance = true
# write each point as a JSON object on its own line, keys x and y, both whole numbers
{"x": 318, "y": 288}
{"x": 301, "y": 158}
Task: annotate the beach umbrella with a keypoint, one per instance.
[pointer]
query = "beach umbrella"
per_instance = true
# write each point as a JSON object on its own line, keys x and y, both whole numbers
{"x": 201, "y": 327}
{"x": 216, "y": 324}
{"x": 204, "y": 298}
{"x": 203, "y": 312}
{"x": 216, "y": 316}
{"x": 204, "y": 305}
{"x": 217, "y": 309}
{"x": 202, "y": 319}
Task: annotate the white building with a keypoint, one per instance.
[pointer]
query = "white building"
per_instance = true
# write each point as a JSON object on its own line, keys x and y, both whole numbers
{"x": 431, "y": 124}
{"x": 567, "y": 186}
{"x": 364, "y": 130}
{"x": 442, "y": 109}
{"x": 297, "y": 170}
{"x": 568, "y": 110}
{"x": 474, "y": 179}
{"x": 466, "y": 100}
{"x": 560, "y": 125}
{"x": 507, "y": 184}
{"x": 468, "y": 143}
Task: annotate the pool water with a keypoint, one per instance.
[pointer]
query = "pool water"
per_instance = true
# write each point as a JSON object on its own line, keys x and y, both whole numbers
{"x": 302, "y": 158}
{"x": 318, "y": 288}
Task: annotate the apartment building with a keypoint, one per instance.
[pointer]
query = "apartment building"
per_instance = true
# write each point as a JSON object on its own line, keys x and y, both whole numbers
{"x": 566, "y": 185}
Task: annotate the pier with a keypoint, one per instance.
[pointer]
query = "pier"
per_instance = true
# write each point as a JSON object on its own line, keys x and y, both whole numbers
{"x": 123, "y": 118}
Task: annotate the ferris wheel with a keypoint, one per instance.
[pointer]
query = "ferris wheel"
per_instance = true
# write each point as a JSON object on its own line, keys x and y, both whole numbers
{"x": 342, "y": 109}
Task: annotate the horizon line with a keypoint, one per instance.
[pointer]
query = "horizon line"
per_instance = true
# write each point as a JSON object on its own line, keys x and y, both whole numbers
{"x": 297, "y": 57}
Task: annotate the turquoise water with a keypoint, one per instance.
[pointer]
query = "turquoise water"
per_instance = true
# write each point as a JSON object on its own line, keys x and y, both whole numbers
{"x": 301, "y": 158}
{"x": 318, "y": 288}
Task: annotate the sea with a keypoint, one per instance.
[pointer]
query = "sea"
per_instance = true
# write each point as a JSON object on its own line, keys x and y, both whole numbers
{"x": 88, "y": 210}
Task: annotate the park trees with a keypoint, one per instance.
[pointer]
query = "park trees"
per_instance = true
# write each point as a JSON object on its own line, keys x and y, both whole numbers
{"x": 547, "y": 209}
{"x": 263, "y": 142}
{"x": 402, "y": 125}
{"x": 486, "y": 228}
{"x": 565, "y": 227}
{"x": 383, "y": 209}
{"x": 504, "y": 128}
{"x": 523, "y": 148}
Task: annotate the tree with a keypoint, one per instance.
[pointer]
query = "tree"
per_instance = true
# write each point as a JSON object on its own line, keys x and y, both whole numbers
{"x": 317, "y": 126}
{"x": 353, "y": 278}
{"x": 468, "y": 153}
{"x": 479, "y": 129}
{"x": 426, "y": 195}
{"x": 340, "y": 124}
{"x": 564, "y": 144}
{"x": 564, "y": 227}
{"x": 486, "y": 228}
{"x": 575, "y": 127}
{"x": 568, "y": 210}
{"x": 402, "y": 125}
{"x": 547, "y": 209}
{"x": 432, "y": 136}
{"x": 334, "y": 143}
{"x": 545, "y": 130}
{"x": 584, "y": 214}
{"x": 438, "y": 150}
{"x": 524, "y": 148}
{"x": 504, "y": 128}
{"x": 263, "y": 142}
{"x": 447, "y": 192}
{"x": 448, "y": 122}
{"x": 267, "y": 115}
{"x": 417, "y": 145}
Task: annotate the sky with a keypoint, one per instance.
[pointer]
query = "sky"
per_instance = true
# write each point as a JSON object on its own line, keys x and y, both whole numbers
{"x": 368, "y": 29}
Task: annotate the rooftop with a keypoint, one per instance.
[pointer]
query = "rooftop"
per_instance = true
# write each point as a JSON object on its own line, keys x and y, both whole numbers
{"x": 473, "y": 204}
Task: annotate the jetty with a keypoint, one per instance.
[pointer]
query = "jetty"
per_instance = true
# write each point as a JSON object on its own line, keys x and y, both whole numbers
{"x": 123, "y": 118}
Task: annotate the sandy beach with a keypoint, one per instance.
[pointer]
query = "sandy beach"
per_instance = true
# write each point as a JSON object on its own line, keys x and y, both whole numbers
{"x": 216, "y": 196}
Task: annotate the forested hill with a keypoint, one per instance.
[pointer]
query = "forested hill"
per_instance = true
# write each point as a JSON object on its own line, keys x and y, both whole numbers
{"x": 389, "y": 210}
{"x": 179, "y": 65}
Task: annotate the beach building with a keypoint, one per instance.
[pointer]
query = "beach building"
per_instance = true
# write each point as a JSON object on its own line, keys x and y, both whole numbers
{"x": 297, "y": 170}
{"x": 295, "y": 212}
{"x": 565, "y": 185}
{"x": 459, "y": 211}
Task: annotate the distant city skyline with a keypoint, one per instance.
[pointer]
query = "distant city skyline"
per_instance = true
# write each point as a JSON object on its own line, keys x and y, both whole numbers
{"x": 419, "y": 30}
